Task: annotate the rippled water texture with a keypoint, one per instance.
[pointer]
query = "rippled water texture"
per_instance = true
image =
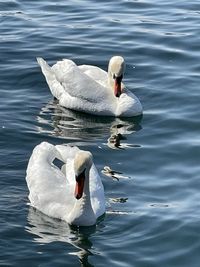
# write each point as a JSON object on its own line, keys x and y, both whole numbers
{"x": 152, "y": 214}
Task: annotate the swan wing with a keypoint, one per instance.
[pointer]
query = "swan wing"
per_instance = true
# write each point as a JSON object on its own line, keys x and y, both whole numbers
{"x": 49, "y": 190}
{"x": 77, "y": 90}
{"x": 66, "y": 152}
{"x": 96, "y": 192}
{"x": 67, "y": 155}
{"x": 95, "y": 73}
{"x": 68, "y": 83}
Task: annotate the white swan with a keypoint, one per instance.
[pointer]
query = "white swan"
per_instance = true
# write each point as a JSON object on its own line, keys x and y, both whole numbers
{"x": 90, "y": 89}
{"x": 74, "y": 194}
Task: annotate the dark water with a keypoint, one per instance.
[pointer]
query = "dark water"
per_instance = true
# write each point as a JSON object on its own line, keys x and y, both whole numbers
{"x": 153, "y": 217}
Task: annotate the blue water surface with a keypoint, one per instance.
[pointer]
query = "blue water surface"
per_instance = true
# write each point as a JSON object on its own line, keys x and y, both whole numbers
{"x": 153, "y": 215}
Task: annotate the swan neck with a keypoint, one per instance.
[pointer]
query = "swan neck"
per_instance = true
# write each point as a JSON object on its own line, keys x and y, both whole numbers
{"x": 110, "y": 79}
{"x": 82, "y": 212}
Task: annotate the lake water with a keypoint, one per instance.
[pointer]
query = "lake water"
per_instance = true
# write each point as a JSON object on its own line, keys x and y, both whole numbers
{"x": 153, "y": 214}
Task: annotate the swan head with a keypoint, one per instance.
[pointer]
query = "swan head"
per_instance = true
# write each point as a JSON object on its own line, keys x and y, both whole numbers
{"x": 82, "y": 164}
{"x": 116, "y": 68}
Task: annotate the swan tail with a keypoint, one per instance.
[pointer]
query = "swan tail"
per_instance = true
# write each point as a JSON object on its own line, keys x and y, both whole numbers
{"x": 54, "y": 85}
{"x": 46, "y": 69}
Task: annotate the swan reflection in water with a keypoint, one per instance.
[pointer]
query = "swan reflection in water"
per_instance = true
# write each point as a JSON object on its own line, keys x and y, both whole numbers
{"x": 47, "y": 230}
{"x": 64, "y": 123}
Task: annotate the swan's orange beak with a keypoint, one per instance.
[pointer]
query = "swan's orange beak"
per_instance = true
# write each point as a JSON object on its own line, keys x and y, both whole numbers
{"x": 79, "y": 185}
{"x": 117, "y": 86}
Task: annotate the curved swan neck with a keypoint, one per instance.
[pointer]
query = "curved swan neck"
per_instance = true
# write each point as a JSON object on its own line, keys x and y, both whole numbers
{"x": 110, "y": 80}
{"x": 82, "y": 211}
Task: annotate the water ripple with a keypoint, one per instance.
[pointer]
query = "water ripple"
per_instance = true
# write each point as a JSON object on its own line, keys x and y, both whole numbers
{"x": 151, "y": 219}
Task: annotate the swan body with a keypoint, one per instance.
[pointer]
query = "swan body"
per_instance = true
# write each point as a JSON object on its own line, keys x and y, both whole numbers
{"x": 90, "y": 89}
{"x": 73, "y": 193}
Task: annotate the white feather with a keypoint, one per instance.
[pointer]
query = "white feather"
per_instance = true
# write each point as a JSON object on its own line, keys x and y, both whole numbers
{"x": 89, "y": 89}
{"x": 52, "y": 190}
